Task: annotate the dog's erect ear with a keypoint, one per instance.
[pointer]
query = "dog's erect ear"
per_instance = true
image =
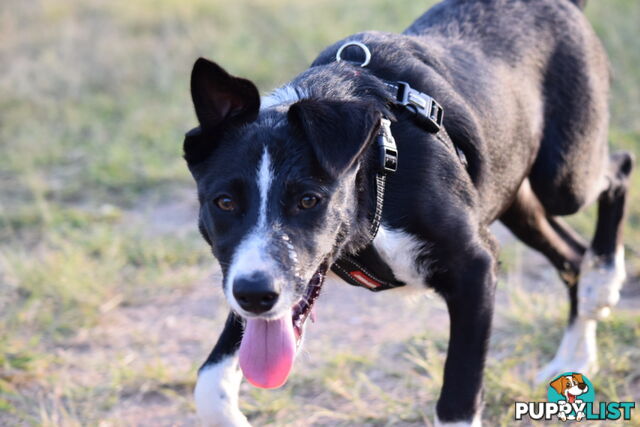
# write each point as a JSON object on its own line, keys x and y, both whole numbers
{"x": 557, "y": 384}
{"x": 338, "y": 131}
{"x": 221, "y": 101}
{"x": 219, "y": 97}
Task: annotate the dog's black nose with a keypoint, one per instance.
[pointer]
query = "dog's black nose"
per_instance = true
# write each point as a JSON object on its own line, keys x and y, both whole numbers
{"x": 582, "y": 386}
{"x": 256, "y": 293}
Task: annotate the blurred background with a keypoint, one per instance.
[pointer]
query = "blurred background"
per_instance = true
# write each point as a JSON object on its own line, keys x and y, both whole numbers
{"x": 109, "y": 299}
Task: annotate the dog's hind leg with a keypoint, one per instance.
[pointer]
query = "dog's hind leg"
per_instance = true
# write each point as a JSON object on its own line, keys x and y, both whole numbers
{"x": 528, "y": 220}
{"x": 603, "y": 270}
{"x": 216, "y": 391}
{"x": 600, "y": 269}
{"x": 602, "y": 273}
{"x": 563, "y": 247}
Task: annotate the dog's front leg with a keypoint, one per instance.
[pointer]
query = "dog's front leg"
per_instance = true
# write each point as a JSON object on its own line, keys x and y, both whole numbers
{"x": 216, "y": 391}
{"x": 469, "y": 292}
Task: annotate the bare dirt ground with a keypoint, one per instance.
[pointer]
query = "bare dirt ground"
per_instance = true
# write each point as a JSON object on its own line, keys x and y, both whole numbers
{"x": 174, "y": 331}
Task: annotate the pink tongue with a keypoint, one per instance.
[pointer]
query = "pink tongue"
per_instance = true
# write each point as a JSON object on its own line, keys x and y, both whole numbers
{"x": 267, "y": 351}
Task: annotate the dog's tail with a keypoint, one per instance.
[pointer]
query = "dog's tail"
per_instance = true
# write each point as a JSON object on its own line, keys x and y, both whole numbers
{"x": 580, "y": 3}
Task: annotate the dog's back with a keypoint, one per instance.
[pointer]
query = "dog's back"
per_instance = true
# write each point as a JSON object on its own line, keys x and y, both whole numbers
{"x": 524, "y": 85}
{"x": 539, "y": 60}
{"x": 509, "y": 29}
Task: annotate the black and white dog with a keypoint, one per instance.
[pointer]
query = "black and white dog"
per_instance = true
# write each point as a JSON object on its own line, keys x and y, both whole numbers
{"x": 292, "y": 183}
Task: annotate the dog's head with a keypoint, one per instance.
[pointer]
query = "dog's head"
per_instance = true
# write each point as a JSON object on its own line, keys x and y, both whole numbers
{"x": 570, "y": 386}
{"x": 277, "y": 187}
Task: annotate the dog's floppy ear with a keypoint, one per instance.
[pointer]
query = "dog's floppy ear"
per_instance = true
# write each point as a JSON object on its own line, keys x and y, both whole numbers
{"x": 557, "y": 384}
{"x": 221, "y": 101}
{"x": 578, "y": 378}
{"x": 338, "y": 131}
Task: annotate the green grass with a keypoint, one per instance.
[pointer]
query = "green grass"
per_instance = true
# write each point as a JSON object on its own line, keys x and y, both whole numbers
{"x": 94, "y": 101}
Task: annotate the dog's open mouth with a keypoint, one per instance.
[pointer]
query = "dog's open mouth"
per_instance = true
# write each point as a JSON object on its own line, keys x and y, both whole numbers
{"x": 268, "y": 347}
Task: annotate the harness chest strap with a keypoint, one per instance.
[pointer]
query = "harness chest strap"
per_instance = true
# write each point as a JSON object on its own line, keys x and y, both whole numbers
{"x": 366, "y": 268}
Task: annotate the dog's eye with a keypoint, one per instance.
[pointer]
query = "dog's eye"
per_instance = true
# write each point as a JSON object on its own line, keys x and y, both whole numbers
{"x": 225, "y": 203}
{"x": 308, "y": 201}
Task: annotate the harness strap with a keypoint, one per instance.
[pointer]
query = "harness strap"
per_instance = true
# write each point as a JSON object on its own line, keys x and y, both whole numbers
{"x": 426, "y": 111}
{"x": 366, "y": 268}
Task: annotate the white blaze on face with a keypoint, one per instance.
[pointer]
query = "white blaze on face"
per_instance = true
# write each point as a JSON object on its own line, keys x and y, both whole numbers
{"x": 264, "y": 179}
{"x": 251, "y": 256}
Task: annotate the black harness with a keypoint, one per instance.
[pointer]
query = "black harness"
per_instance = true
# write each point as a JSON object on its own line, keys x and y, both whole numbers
{"x": 366, "y": 268}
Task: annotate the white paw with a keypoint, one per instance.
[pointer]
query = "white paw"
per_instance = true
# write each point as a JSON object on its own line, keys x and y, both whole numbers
{"x": 475, "y": 422}
{"x": 577, "y": 352}
{"x": 216, "y": 395}
{"x": 226, "y": 418}
{"x": 559, "y": 366}
{"x": 600, "y": 284}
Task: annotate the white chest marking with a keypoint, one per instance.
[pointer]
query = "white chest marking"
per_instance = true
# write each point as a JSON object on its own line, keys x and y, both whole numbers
{"x": 400, "y": 251}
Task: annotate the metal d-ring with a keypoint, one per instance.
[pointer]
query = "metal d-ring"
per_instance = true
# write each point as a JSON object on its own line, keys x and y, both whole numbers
{"x": 365, "y": 49}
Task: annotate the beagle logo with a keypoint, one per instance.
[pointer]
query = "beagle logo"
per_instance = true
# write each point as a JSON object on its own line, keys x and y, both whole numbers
{"x": 572, "y": 398}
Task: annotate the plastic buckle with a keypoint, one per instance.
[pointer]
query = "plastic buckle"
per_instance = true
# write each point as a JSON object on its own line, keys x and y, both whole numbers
{"x": 388, "y": 148}
{"x": 428, "y": 112}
